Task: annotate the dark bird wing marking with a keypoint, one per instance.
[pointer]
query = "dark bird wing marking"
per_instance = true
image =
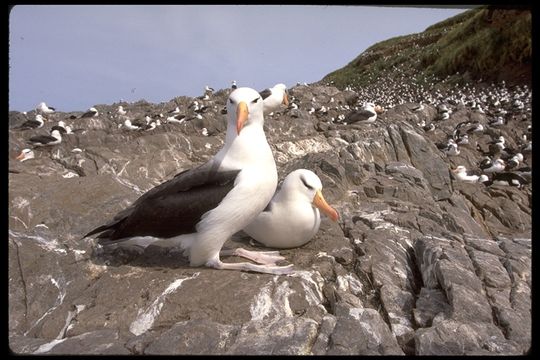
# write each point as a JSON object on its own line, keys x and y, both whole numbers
{"x": 88, "y": 114}
{"x": 42, "y": 139}
{"x": 28, "y": 124}
{"x": 265, "y": 93}
{"x": 172, "y": 208}
{"x": 359, "y": 115}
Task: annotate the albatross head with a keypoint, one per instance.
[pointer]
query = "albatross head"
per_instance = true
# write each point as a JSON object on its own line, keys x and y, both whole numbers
{"x": 244, "y": 107}
{"x": 305, "y": 185}
{"x": 26, "y": 154}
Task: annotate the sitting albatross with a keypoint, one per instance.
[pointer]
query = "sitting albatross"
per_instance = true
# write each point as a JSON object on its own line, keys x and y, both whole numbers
{"x": 200, "y": 208}
{"x": 292, "y": 218}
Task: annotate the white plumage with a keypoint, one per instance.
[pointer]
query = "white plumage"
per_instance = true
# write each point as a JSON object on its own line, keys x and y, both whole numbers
{"x": 241, "y": 179}
{"x": 274, "y": 97}
{"x": 292, "y": 218}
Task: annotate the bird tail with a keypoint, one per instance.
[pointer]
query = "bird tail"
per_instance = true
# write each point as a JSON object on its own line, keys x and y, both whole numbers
{"x": 99, "y": 229}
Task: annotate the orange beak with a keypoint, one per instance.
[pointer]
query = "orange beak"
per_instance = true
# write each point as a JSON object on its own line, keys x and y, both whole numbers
{"x": 242, "y": 113}
{"x": 285, "y": 100}
{"x": 21, "y": 156}
{"x": 379, "y": 109}
{"x": 319, "y": 202}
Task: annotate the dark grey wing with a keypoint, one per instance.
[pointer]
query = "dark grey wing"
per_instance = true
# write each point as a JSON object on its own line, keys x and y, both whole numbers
{"x": 172, "y": 208}
{"x": 358, "y": 115}
{"x": 477, "y": 172}
{"x": 42, "y": 139}
{"x": 28, "y": 124}
{"x": 59, "y": 128}
{"x": 138, "y": 123}
{"x": 442, "y": 146}
{"x": 265, "y": 93}
{"x": 88, "y": 114}
{"x": 509, "y": 176}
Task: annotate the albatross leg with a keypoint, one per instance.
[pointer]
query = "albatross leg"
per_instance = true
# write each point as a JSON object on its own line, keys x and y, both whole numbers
{"x": 260, "y": 257}
{"x": 276, "y": 270}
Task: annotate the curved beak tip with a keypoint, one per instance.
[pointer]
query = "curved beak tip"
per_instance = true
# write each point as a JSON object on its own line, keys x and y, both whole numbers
{"x": 321, "y": 203}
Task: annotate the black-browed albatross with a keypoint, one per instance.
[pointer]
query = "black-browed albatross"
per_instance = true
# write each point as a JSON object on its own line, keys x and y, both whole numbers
{"x": 199, "y": 209}
{"x": 292, "y": 218}
{"x": 274, "y": 97}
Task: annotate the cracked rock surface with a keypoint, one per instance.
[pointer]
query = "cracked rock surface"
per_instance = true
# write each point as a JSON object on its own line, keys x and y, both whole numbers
{"x": 418, "y": 263}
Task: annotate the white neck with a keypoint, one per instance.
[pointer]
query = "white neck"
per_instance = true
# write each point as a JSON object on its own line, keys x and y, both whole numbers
{"x": 250, "y": 147}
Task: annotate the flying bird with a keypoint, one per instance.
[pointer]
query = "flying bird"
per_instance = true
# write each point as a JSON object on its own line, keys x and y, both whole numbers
{"x": 292, "y": 218}
{"x": 201, "y": 208}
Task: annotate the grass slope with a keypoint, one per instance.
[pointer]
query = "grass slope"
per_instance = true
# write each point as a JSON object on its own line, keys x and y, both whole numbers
{"x": 489, "y": 43}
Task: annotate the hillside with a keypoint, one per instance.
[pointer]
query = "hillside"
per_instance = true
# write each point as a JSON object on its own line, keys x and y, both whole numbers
{"x": 489, "y": 44}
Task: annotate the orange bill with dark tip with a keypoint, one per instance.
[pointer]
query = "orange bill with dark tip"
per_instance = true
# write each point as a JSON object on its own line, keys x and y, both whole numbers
{"x": 21, "y": 156}
{"x": 242, "y": 113}
{"x": 319, "y": 202}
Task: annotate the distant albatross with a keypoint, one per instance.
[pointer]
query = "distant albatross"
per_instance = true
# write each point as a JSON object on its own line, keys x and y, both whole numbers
{"x": 32, "y": 124}
{"x": 199, "y": 209}
{"x": 274, "y": 97}
{"x": 92, "y": 112}
{"x": 292, "y": 218}
{"x": 367, "y": 115}
{"x": 46, "y": 140}
{"x": 44, "y": 109}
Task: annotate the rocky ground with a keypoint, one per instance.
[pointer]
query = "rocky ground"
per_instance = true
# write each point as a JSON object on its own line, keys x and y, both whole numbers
{"x": 417, "y": 264}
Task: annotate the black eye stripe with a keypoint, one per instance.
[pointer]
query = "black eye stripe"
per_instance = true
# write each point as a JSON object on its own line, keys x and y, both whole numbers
{"x": 254, "y": 101}
{"x": 305, "y": 183}
{"x": 230, "y": 100}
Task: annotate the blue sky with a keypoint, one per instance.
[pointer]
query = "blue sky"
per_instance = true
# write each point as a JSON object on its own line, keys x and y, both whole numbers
{"x": 73, "y": 57}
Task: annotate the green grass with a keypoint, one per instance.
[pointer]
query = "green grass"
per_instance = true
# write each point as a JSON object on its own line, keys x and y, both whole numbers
{"x": 465, "y": 43}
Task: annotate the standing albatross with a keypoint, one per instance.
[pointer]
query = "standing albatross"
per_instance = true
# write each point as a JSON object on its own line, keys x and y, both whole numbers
{"x": 199, "y": 209}
{"x": 274, "y": 97}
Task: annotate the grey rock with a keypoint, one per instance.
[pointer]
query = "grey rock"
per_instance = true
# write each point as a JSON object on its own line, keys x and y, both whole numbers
{"x": 287, "y": 336}
{"x": 399, "y": 306}
{"x": 430, "y": 303}
{"x": 434, "y": 169}
{"x": 320, "y": 347}
{"x": 415, "y": 257}
{"x": 100, "y": 342}
{"x": 362, "y": 332}
{"x": 467, "y": 339}
{"x": 193, "y": 337}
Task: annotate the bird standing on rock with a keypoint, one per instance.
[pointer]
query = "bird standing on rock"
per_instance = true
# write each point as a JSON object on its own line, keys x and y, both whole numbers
{"x": 274, "y": 97}
{"x": 201, "y": 208}
{"x": 44, "y": 109}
